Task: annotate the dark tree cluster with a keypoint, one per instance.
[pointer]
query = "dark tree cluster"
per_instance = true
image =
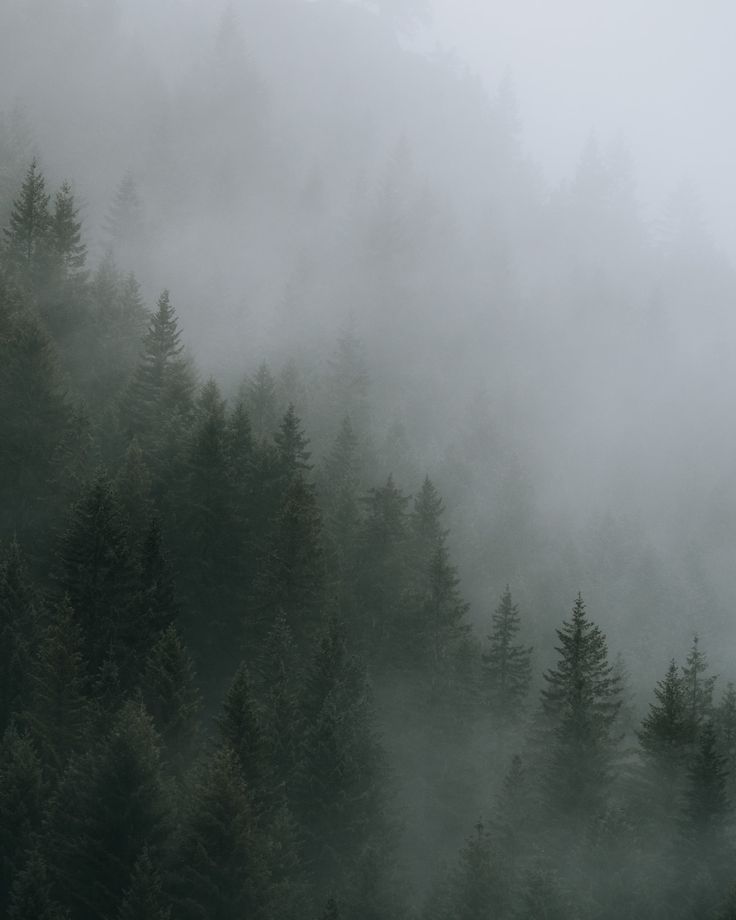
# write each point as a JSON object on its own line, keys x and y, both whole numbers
{"x": 229, "y": 658}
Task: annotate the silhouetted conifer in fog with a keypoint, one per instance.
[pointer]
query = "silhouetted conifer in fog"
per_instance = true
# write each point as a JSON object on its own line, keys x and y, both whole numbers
{"x": 579, "y": 707}
{"x": 292, "y": 443}
{"x": 260, "y": 394}
{"x": 698, "y": 686}
{"x": 65, "y": 233}
{"x": 507, "y": 663}
{"x": 26, "y": 238}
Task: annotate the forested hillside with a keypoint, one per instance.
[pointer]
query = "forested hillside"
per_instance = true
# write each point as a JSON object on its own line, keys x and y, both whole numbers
{"x": 321, "y": 421}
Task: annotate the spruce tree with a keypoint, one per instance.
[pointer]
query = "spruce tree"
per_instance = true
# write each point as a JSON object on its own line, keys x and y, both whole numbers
{"x": 579, "y": 708}
{"x": 668, "y": 732}
{"x": 22, "y": 793}
{"x": 31, "y": 894}
{"x": 698, "y": 685}
{"x": 478, "y": 886}
{"x": 507, "y": 663}
{"x": 218, "y": 866}
{"x": 260, "y": 395}
{"x": 144, "y": 899}
{"x": 59, "y": 710}
{"x": 292, "y": 443}
{"x": 27, "y": 235}
{"x": 111, "y": 804}
{"x": 169, "y": 691}
{"x": 65, "y": 234}
{"x": 241, "y": 729}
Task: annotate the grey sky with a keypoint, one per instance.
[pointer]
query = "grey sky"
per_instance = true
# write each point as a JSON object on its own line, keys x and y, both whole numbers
{"x": 661, "y": 74}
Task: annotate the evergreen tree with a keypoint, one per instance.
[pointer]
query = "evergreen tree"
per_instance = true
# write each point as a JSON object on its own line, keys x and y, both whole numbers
{"x": 65, "y": 234}
{"x": 219, "y": 865}
{"x": 478, "y": 888}
{"x": 27, "y": 234}
{"x": 706, "y": 802}
{"x": 21, "y": 805}
{"x": 18, "y": 632}
{"x": 291, "y": 444}
{"x": 579, "y": 708}
{"x": 381, "y": 574}
{"x": 507, "y": 663}
{"x": 97, "y": 572}
{"x": 111, "y": 804}
{"x": 698, "y": 685}
{"x": 158, "y": 607}
{"x": 30, "y": 896}
{"x": 260, "y": 395}
{"x": 169, "y": 691}
{"x": 292, "y": 582}
{"x": 144, "y": 900}
{"x": 725, "y": 725}
{"x": 59, "y": 710}
{"x": 124, "y": 223}
{"x": 668, "y": 732}
{"x": 241, "y": 730}
{"x": 339, "y": 792}
{"x": 543, "y": 898}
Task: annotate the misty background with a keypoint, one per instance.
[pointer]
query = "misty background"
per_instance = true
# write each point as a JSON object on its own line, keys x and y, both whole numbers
{"x": 524, "y": 215}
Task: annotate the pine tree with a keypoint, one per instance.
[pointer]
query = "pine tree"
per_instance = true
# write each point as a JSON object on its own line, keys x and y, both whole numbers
{"x": 381, "y": 576}
{"x": 111, "y": 804}
{"x": 478, "y": 888}
{"x": 27, "y": 235}
{"x": 260, "y": 396}
{"x": 97, "y": 572}
{"x": 668, "y": 732}
{"x": 339, "y": 789}
{"x": 65, "y": 234}
{"x": 59, "y": 710}
{"x": 144, "y": 899}
{"x": 579, "y": 708}
{"x": 241, "y": 729}
{"x": 21, "y": 805}
{"x": 169, "y": 691}
{"x": 219, "y": 867}
{"x": 30, "y": 896}
{"x": 19, "y": 628}
{"x": 698, "y": 685}
{"x": 507, "y": 663}
{"x": 291, "y": 444}
{"x": 292, "y": 582}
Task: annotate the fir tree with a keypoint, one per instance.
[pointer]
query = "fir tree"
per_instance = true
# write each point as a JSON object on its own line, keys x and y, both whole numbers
{"x": 507, "y": 663}
{"x": 27, "y": 235}
{"x": 124, "y": 223}
{"x": 59, "y": 710}
{"x": 478, "y": 887}
{"x": 241, "y": 730}
{"x": 706, "y": 800}
{"x": 292, "y": 444}
{"x": 698, "y": 685}
{"x": 21, "y": 805}
{"x": 111, "y": 804}
{"x": 65, "y": 233}
{"x": 579, "y": 708}
{"x": 169, "y": 691}
{"x": 97, "y": 572}
{"x": 31, "y": 894}
{"x": 668, "y": 732}
{"x": 260, "y": 395}
{"x": 219, "y": 867}
{"x": 144, "y": 899}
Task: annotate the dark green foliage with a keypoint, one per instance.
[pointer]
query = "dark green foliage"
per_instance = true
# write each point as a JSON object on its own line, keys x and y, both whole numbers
{"x": 579, "y": 708}
{"x": 169, "y": 691}
{"x": 21, "y": 805}
{"x": 157, "y": 604}
{"x": 697, "y": 685}
{"x": 477, "y": 888}
{"x": 292, "y": 582}
{"x": 291, "y": 444}
{"x": 26, "y": 237}
{"x": 507, "y": 663}
{"x": 340, "y": 789}
{"x": 18, "y": 632}
{"x": 111, "y": 804}
{"x": 65, "y": 234}
{"x": 706, "y": 801}
{"x": 59, "y": 710}
{"x": 241, "y": 729}
{"x": 668, "y": 732}
{"x": 97, "y": 572}
{"x": 260, "y": 396}
{"x": 219, "y": 866}
{"x": 381, "y": 575}
{"x": 144, "y": 900}
{"x": 30, "y": 897}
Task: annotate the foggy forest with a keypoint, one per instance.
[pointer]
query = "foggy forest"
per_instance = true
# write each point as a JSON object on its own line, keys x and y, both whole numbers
{"x": 367, "y": 461}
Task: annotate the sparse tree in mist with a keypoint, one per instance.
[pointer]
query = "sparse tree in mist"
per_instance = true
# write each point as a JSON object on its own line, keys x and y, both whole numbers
{"x": 123, "y": 225}
{"x": 260, "y": 395}
{"x": 65, "y": 232}
{"x": 507, "y": 666}
{"x": 698, "y": 685}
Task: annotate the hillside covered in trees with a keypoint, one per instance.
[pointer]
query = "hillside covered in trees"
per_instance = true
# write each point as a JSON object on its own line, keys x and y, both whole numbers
{"x": 340, "y": 575}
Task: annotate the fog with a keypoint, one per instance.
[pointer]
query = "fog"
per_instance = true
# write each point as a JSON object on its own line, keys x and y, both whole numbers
{"x": 520, "y": 217}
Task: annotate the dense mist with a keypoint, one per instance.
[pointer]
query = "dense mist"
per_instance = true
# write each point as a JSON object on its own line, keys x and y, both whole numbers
{"x": 343, "y": 345}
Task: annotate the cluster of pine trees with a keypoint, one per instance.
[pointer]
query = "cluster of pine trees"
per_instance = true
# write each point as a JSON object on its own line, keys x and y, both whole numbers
{"x": 216, "y": 637}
